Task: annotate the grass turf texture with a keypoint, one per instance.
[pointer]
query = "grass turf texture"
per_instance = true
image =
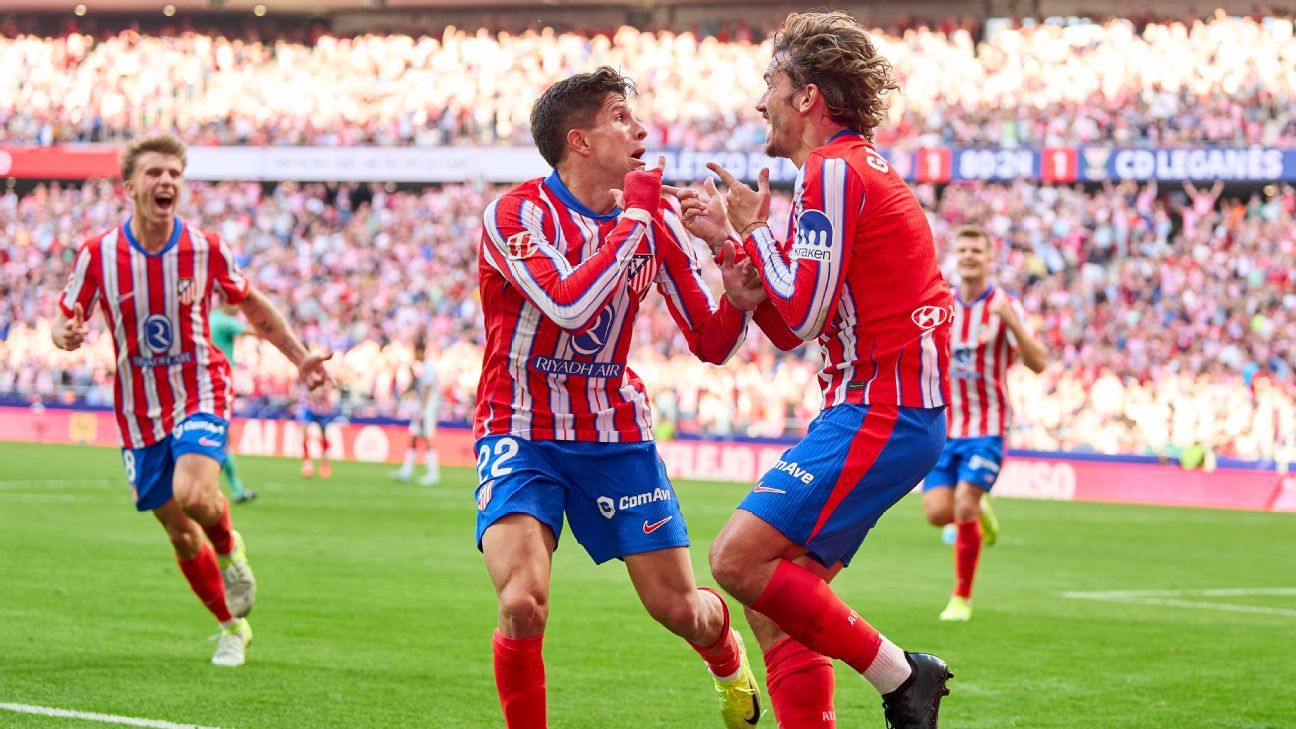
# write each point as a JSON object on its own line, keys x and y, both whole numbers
{"x": 374, "y": 610}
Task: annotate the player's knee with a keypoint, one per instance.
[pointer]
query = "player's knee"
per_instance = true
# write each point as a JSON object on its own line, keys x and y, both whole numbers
{"x": 186, "y": 542}
{"x": 198, "y": 502}
{"x": 966, "y": 510}
{"x": 728, "y": 567}
{"x": 939, "y": 516}
{"x": 525, "y": 610}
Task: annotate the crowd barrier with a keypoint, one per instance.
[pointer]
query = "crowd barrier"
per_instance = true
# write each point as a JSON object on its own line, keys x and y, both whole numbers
{"x": 510, "y": 164}
{"x": 1025, "y": 475}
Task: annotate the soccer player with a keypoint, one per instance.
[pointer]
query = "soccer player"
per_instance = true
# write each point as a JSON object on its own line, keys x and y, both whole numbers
{"x": 153, "y": 277}
{"x": 315, "y": 408}
{"x": 225, "y": 327}
{"x": 857, "y": 273}
{"x": 988, "y": 334}
{"x": 562, "y": 425}
{"x": 423, "y": 425}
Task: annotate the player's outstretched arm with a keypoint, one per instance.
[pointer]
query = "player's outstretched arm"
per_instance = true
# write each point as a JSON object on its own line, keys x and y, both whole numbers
{"x": 516, "y": 243}
{"x": 272, "y": 327}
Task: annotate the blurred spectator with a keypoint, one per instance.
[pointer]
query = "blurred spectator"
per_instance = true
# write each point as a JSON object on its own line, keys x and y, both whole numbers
{"x": 1226, "y": 81}
{"x": 1163, "y": 336}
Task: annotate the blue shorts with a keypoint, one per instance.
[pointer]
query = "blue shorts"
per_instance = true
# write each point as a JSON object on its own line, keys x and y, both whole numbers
{"x": 616, "y": 496}
{"x": 149, "y": 470}
{"x": 855, "y": 462}
{"x": 975, "y": 460}
{"x": 305, "y": 416}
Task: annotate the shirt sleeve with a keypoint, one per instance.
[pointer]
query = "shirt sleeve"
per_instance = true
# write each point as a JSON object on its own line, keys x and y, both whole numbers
{"x": 514, "y": 242}
{"x": 82, "y": 285}
{"x": 225, "y": 272}
{"x": 713, "y": 331}
{"x": 805, "y": 284}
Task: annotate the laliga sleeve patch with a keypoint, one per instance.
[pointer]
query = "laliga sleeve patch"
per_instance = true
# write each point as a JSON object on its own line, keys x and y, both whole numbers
{"x": 814, "y": 235}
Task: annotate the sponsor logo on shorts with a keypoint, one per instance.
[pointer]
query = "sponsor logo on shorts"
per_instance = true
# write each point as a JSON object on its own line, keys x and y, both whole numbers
{"x": 977, "y": 462}
{"x": 648, "y": 497}
{"x": 795, "y": 471}
{"x": 650, "y": 528}
{"x": 761, "y": 488}
{"x": 606, "y": 507}
{"x": 192, "y": 425}
{"x": 208, "y": 442}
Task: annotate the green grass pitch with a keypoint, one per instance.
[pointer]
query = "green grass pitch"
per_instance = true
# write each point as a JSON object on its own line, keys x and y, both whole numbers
{"x": 374, "y": 610}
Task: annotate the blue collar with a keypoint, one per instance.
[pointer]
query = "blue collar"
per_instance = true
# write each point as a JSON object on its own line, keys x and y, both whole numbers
{"x": 843, "y": 133}
{"x": 176, "y": 226}
{"x": 555, "y": 183}
{"x": 984, "y": 295}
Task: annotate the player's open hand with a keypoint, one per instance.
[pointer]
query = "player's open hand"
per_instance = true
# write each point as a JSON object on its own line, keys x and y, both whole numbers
{"x": 705, "y": 216}
{"x": 746, "y": 207}
{"x": 73, "y": 332}
{"x": 742, "y": 283}
{"x": 311, "y": 371}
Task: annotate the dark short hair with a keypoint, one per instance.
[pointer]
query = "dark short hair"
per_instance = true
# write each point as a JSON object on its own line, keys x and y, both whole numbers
{"x": 571, "y": 104}
{"x": 832, "y": 51}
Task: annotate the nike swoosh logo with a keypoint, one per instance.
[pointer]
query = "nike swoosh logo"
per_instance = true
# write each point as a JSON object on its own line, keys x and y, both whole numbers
{"x": 125, "y": 296}
{"x": 758, "y": 488}
{"x": 650, "y": 528}
{"x": 209, "y": 442}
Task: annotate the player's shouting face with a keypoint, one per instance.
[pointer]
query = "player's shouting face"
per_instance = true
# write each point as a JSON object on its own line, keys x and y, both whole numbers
{"x": 783, "y": 106}
{"x": 154, "y": 186}
{"x": 616, "y": 138}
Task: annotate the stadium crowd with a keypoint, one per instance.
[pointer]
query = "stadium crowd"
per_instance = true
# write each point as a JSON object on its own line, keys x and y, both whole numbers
{"x": 1169, "y": 312}
{"x": 1227, "y": 81}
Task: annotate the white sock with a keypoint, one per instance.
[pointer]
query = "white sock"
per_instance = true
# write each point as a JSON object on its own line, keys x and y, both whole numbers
{"x": 408, "y": 466}
{"x": 433, "y": 466}
{"x": 889, "y": 669}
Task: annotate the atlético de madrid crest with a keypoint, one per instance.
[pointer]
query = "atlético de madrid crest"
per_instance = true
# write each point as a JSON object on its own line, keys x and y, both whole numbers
{"x": 186, "y": 291}
{"x": 640, "y": 273}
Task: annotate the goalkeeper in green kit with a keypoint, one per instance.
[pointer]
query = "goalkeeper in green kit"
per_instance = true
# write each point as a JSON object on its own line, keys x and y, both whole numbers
{"x": 225, "y": 327}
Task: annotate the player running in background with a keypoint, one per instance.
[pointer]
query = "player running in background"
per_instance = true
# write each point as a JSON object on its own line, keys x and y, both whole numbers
{"x": 315, "y": 408}
{"x": 988, "y": 334}
{"x": 153, "y": 277}
{"x": 225, "y": 327}
{"x": 562, "y": 425}
{"x": 857, "y": 272}
{"x": 423, "y": 425}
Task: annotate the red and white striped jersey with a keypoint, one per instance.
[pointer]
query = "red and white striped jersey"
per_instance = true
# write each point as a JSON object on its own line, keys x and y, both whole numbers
{"x": 156, "y": 306}
{"x": 560, "y": 288}
{"x": 858, "y": 272}
{"x": 981, "y": 349}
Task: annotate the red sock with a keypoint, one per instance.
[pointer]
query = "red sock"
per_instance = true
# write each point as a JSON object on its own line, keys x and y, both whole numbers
{"x": 800, "y": 684}
{"x": 221, "y": 533}
{"x": 520, "y": 681}
{"x": 722, "y": 656}
{"x": 967, "y": 550}
{"x": 806, "y": 608}
{"x": 205, "y": 579}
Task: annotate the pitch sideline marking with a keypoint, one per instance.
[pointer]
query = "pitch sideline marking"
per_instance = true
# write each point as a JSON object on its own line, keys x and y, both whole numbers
{"x": 92, "y": 716}
{"x": 1170, "y": 598}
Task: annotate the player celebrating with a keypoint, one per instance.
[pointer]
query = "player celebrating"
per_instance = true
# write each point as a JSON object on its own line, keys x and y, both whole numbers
{"x": 988, "y": 334}
{"x": 225, "y": 327}
{"x": 315, "y": 408}
{"x": 563, "y": 426}
{"x": 153, "y": 277}
{"x": 858, "y": 274}
{"x": 424, "y": 423}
